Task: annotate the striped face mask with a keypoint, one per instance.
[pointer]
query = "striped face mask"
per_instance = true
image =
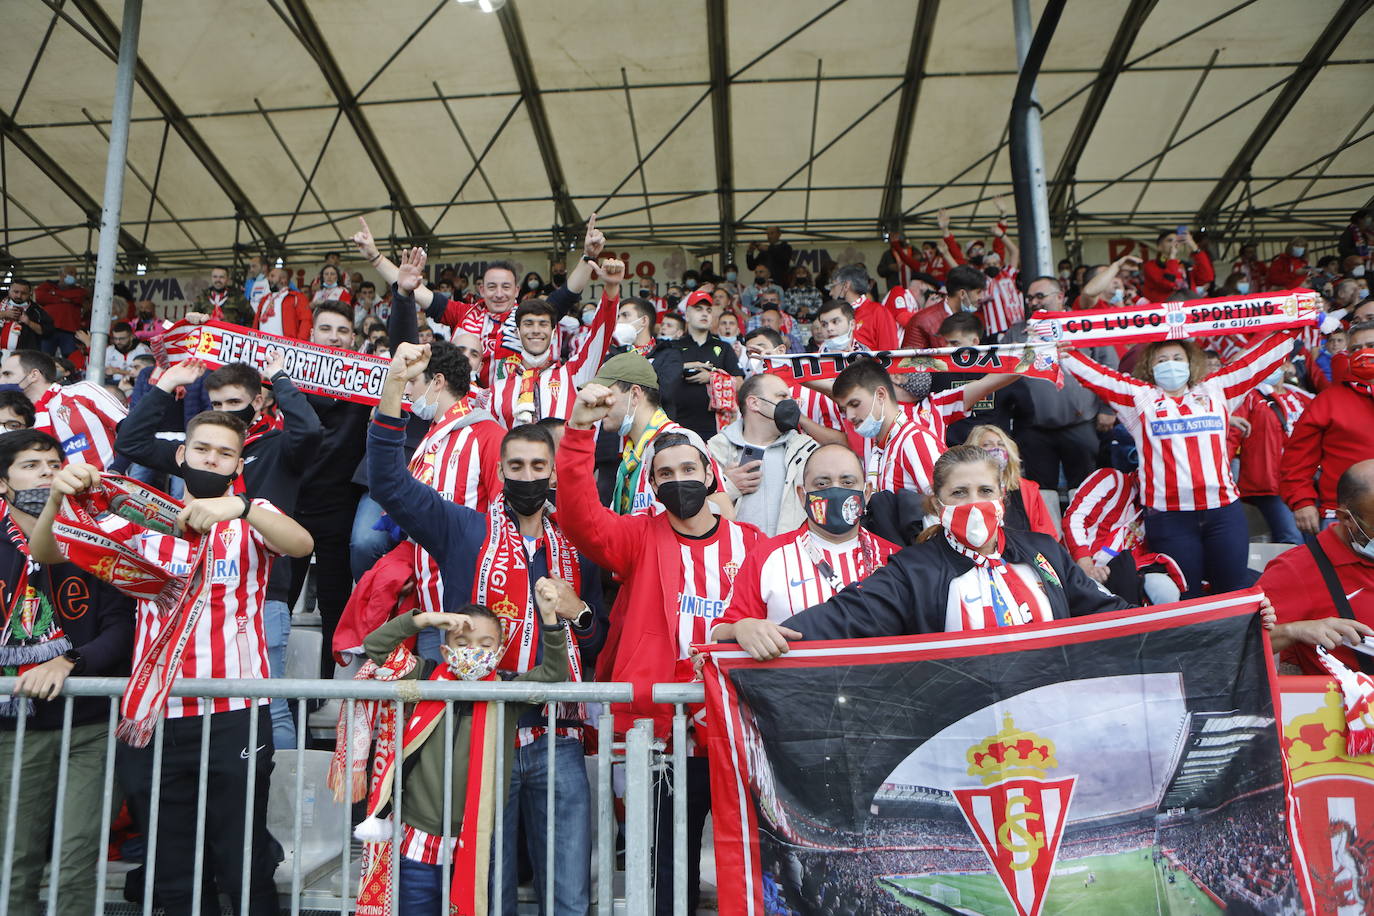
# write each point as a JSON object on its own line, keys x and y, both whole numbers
{"x": 973, "y": 524}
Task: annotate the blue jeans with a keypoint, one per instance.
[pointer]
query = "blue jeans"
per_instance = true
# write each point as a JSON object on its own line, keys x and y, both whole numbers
{"x": 1279, "y": 517}
{"x": 276, "y": 625}
{"x": 59, "y": 343}
{"x": 1211, "y": 545}
{"x": 526, "y": 812}
{"x": 422, "y": 891}
{"x": 365, "y": 545}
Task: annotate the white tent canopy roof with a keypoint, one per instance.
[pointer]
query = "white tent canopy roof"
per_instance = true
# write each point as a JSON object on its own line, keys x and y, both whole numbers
{"x": 573, "y": 108}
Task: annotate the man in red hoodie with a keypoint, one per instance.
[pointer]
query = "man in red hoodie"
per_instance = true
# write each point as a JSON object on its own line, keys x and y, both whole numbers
{"x": 1166, "y": 274}
{"x": 1336, "y": 431}
{"x": 874, "y": 326}
{"x": 677, "y": 567}
{"x": 1289, "y": 269}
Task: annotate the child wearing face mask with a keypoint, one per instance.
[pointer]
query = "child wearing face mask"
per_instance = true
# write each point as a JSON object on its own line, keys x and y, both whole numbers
{"x": 472, "y": 645}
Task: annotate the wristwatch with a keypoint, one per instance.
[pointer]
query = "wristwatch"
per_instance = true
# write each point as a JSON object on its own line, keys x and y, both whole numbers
{"x": 584, "y": 619}
{"x": 247, "y": 505}
{"x": 588, "y": 258}
{"x": 77, "y": 659}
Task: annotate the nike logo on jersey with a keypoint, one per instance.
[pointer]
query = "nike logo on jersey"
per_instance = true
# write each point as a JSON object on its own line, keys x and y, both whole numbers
{"x": 1353, "y": 594}
{"x": 797, "y": 583}
{"x": 244, "y": 753}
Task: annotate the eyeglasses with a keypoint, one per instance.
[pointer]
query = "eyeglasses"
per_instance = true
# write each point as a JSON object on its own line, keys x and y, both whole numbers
{"x": 10, "y": 426}
{"x": 1036, "y": 297}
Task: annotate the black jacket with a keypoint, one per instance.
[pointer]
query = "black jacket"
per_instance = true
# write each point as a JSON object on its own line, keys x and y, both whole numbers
{"x": 273, "y": 464}
{"x": 908, "y": 595}
{"x": 97, "y": 619}
{"x": 329, "y": 477}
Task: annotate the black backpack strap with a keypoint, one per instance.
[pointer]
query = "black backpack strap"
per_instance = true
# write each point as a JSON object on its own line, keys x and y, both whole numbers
{"x": 1337, "y": 591}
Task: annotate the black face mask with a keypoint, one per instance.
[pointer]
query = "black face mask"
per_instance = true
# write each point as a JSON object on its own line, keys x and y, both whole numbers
{"x": 204, "y": 484}
{"x": 527, "y": 497}
{"x": 836, "y": 509}
{"x": 558, "y": 279}
{"x": 992, "y": 272}
{"x": 673, "y": 300}
{"x": 245, "y": 413}
{"x": 787, "y": 415}
{"x": 683, "y": 498}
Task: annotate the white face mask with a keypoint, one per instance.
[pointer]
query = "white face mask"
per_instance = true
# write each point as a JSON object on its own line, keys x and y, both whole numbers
{"x": 1357, "y": 270}
{"x": 1275, "y": 377}
{"x": 1366, "y": 549}
{"x": 841, "y": 344}
{"x": 1298, "y": 251}
{"x": 588, "y": 316}
{"x": 541, "y": 360}
{"x": 424, "y": 406}
{"x": 625, "y": 333}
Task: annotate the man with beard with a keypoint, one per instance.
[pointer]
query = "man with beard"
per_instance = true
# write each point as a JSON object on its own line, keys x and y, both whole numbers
{"x": 518, "y": 534}
{"x": 282, "y": 310}
{"x": 220, "y": 303}
{"x": 122, "y": 350}
{"x": 23, "y": 323}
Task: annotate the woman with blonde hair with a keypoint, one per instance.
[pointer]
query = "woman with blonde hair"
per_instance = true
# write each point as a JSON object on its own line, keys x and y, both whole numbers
{"x": 1178, "y": 416}
{"x": 1025, "y": 507}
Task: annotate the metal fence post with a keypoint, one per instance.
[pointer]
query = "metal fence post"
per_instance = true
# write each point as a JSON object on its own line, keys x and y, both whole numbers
{"x": 605, "y": 801}
{"x": 60, "y": 808}
{"x": 639, "y": 895}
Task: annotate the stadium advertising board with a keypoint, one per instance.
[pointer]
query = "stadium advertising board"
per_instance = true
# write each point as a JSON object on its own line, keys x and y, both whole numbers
{"x": 1332, "y": 800}
{"x": 1121, "y": 763}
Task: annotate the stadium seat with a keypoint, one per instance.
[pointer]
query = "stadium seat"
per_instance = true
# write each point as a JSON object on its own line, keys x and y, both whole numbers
{"x": 1051, "y": 498}
{"x": 303, "y": 653}
{"x": 322, "y": 818}
{"x": 1262, "y": 553}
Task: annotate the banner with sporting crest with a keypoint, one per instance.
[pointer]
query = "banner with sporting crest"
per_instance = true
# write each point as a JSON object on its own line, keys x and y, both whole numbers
{"x": 1120, "y": 763}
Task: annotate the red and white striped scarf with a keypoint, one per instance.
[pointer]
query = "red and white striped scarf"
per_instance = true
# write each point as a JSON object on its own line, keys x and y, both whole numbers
{"x": 1357, "y": 694}
{"x": 721, "y": 390}
{"x": 83, "y": 539}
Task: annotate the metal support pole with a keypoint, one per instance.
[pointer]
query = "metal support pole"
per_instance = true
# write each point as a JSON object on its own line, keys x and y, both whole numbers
{"x": 1027, "y": 150}
{"x": 114, "y": 190}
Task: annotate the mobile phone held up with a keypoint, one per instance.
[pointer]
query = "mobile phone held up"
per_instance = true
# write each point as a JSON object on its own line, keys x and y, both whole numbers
{"x": 751, "y": 453}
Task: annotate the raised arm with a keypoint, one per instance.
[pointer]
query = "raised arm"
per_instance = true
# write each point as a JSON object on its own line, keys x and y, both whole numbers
{"x": 583, "y": 272}
{"x": 300, "y": 422}
{"x": 71, "y": 480}
{"x": 367, "y": 247}
{"x": 1115, "y": 388}
{"x": 1012, "y": 259}
{"x": 1099, "y": 287}
{"x": 1241, "y": 376}
{"x": 137, "y": 437}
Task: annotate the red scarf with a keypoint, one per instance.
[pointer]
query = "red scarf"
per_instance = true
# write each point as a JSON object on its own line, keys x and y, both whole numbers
{"x": 467, "y": 894}
{"x": 181, "y": 601}
{"x": 502, "y": 583}
{"x": 1357, "y": 694}
{"x": 32, "y": 633}
{"x": 268, "y": 420}
{"x": 722, "y": 393}
{"x": 422, "y": 462}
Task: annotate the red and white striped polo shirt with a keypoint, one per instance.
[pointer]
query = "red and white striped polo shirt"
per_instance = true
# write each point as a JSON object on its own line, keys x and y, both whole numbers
{"x": 1182, "y": 440}
{"x": 818, "y": 407}
{"x": 781, "y": 577}
{"x": 228, "y": 639}
{"x": 708, "y": 569}
{"x": 82, "y": 417}
{"x": 521, "y": 394}
{"x": 905, "y": 460}
{"x": 1006, "y": 306}
{"x": 1104, "y": 515}
{"x": 461, "y": 463}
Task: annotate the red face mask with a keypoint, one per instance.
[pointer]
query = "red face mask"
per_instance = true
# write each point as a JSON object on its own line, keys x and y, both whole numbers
{"x": 1362, "y": 365}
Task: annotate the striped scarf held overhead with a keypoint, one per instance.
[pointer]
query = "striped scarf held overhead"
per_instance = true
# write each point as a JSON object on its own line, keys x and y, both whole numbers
{"x": 31, "y": 633}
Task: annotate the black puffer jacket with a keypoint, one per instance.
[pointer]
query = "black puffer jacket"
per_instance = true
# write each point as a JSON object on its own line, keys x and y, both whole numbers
{"x": 909, "y": 594}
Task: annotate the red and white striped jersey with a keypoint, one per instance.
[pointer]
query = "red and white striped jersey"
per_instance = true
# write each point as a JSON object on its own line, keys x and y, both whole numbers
{"x": 522, "y": 394}
{"x": 461, "y": 462}
{"x": 781, "y": 576}
{"x": 82, "y": 417}
{"x": 818, "y": 407}
{"x": 228, "y": 640}
{"x": 1294, "y": 401}
{"x": 1006, "y": 306}
{"x": 1182, "y": 440}
{"x": 906, "y": 459}
{"x": 708, "y": 569}
{"x": 337, "y": 293}
{"x": 497, "y": 332}
{"x": 1104, "y": 515}
{"x": 429, "y": 848}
